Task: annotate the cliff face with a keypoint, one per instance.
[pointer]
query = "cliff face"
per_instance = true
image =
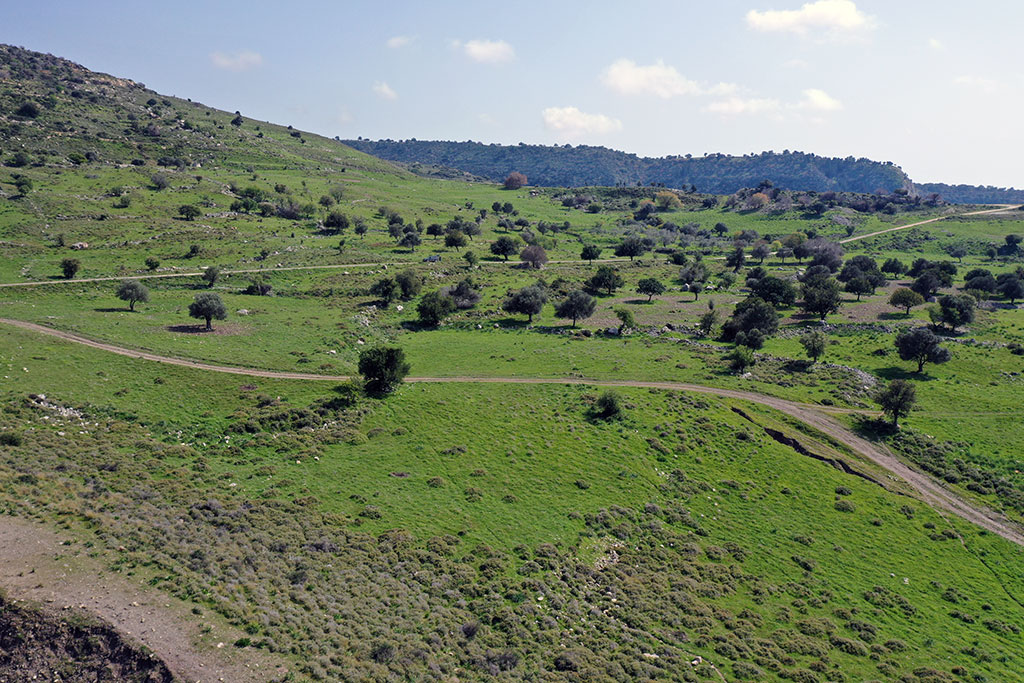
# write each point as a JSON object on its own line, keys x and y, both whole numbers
{"x": 35, "y": 645}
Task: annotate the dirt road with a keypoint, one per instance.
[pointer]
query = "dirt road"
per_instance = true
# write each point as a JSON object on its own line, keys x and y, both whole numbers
{"x": 815, "y": 416}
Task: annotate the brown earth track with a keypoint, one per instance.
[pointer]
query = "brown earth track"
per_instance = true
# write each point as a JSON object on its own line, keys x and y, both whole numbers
{"x": 812, "y": 415}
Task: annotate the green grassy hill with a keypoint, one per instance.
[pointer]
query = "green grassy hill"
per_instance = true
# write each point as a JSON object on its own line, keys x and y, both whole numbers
{"x": 459, "y": 530}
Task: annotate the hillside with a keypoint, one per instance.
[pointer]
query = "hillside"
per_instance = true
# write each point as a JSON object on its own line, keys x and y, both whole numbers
{"x": 570, "y": 166}
{"x": 616, "y": 490}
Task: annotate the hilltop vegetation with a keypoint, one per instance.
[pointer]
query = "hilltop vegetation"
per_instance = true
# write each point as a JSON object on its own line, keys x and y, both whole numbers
{"x": 569, "y": 166}
{"x": 477, "y": 530}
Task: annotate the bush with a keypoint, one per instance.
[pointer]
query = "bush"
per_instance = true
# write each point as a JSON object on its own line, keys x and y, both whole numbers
{"x": 607, "y": 406}
{"x": 383, "y": 369}
{"x": 845, "y": 506}
{"x": 10, "y": 439}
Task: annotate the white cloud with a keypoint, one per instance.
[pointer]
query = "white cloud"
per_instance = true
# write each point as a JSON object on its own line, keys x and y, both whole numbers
{"x": 488, "y": 51}
{"x": 384, "y": 91}
{"x": 795, "y": 64}
{"x": 831, "y": 18}
{"x": 626, "y": 77}
{"x": 396, "y": 42}
{"x": 734, "y": 106}
{"x": 238, "y": 61}
{"x": 572, "y": 122}
{"x": 936, "y": 44}
{"x": 629, "y": 78}
{"x": 988, "y": 86}
{"x": 819, "y": 100}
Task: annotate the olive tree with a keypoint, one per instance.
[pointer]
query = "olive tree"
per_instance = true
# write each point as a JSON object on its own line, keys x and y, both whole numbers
{"x": 207, "y": 306}
{"x": 132, "y": 291}
{"x": 578, "y": 305}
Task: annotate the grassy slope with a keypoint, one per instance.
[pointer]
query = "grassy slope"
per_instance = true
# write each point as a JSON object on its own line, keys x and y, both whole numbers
{"x": 532, "y": 443}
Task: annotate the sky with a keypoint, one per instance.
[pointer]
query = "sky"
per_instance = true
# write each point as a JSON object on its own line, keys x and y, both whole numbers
{"x": 936, "y": 87}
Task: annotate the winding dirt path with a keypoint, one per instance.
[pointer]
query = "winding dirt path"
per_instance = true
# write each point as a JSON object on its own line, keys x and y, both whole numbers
{"x": 1002, "y": 208}
{"x": 812, "y": 415}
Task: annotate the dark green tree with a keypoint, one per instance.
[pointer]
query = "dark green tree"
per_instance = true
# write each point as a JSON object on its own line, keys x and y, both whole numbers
{"x": 651, "y": 287}
{"x": 956, "y": 310}
{"x": 631, "y": 247}
{"x": 207, "y": 306}
{"x": 590, "y": 252}
{"x": 814, "y": 342}
{"x": 505, "y": 246}
{"x": 383, "y": 368}
{"x": 606, "y": 278}
{"x": 921, "y": 346}
{"x": 409, "y": 283}
{"x": 210, "y": 275}
{"x": 189, "y": 212}
{"x": 896, "y": 399}
{"x": 386, "y": 289}
{"x": 821, "y": 297}
{"x": 528, "y": 301}
{"x": 70, "y": 267}
{"x": 578, "y": 306}
{"x": 433, "y": 307}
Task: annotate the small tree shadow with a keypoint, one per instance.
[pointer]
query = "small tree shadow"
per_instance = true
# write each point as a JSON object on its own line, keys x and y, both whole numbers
{"x": 124, "y": 309}
{"x": 893, "y": 316}
{"x": 188, "y": 329}
{"x": 892, "y": 372}
{"x": 794, "y": 366}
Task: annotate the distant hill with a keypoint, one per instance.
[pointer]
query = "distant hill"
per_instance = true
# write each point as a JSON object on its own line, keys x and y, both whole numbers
{"x": 585, "y": 165}
{"x": 973, "y": 194}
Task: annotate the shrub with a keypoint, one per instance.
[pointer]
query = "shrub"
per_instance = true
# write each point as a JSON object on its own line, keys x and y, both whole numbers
{"x": 845, "y": 506}
{"x": 607, "y": 406}
{"x": 10, "y": 439}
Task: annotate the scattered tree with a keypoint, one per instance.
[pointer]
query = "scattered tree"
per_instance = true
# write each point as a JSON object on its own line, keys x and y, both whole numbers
{"x": 207, "y": 306}
{"x": 741, "y": 358}
{"x": 410, "y": 240}
{"x": 606, "y": 278}
{"x": 707, "y": 322}
{"x": 736, "y": 259}
{"x": 514, "y": 180}
{"x": 776, "y": 291}
{"x": 386, "y": 289}
{"x": 921, "y": 346}
{"x": 132, "y": 291}
{"x": 590, "y": 252}
{"x": 152, "y": 263}
{"x": 471, "y": 259}
{"x": 528, "y": 301}
{"x": 189, "y": 212}
{"x": 433, "y": 307}
{"x": 761, "y": 252}
{"x": 906, "y": 299}
{"x": 210, "y": 275}
{"x": 651, "y": 287}
{"x": 896, "y": 400}
{"x": 70, "y": 267}
{"x": 454, "y": 239}
{"x": 956, "y": 310}
{"x": 578, "y": 306}
{"x": 751, "y": 314}
{"x": 626, "y": 320}
{"x": 814, "y": 343}
{"x": 409, "y": 283}
{"x": 383, "y": 369}
{"x": 821, "y": 297}
{"x": 631, "y": 247}
{"x": 534, "y": 256}
{"x": 505, "y": 246}
{"x": 694, "y": 276}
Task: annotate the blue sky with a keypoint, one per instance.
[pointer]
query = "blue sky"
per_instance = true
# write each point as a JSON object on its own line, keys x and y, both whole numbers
{"x": 936, "y": 87}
